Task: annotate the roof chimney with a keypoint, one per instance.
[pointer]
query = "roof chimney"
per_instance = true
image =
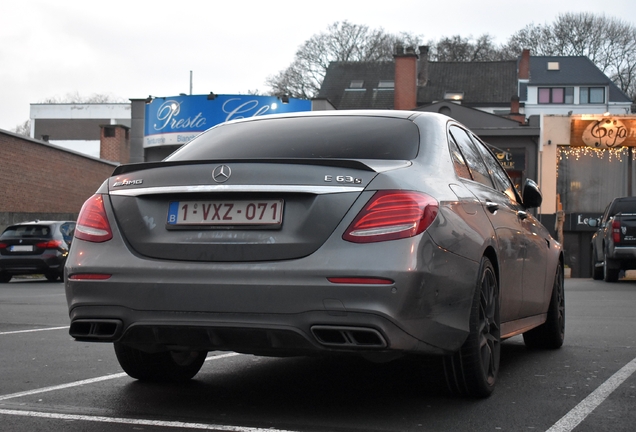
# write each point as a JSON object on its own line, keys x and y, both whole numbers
{"x": 405, "y": 93}
{"x": 514, "y": 111}
{"x": 115, "y": 143}
{"x": 422, "y": 66}
{"x": 524, "y": 65}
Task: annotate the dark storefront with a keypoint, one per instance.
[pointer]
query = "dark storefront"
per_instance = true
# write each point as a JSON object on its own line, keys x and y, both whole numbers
{"x": 594, "y": 169}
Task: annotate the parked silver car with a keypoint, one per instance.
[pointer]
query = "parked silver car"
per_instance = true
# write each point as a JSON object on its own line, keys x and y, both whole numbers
{"x": 373, "y": 233}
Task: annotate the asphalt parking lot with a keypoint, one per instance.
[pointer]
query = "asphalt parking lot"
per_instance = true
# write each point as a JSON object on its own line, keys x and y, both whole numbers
{"x": 48, "y": 381}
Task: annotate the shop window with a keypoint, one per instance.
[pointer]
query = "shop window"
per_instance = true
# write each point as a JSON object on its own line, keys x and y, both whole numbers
{"x": 587, "y": 181}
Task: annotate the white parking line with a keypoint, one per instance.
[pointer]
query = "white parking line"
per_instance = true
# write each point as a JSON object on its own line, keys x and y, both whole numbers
{"x": 577, "y": 414}
{"x": 566, "y": 424}
{"x": 119, "y": 420}
{"x": 61, "y": 386}
{"x": 33, "y": 330}
{"x": 89, "y": 381}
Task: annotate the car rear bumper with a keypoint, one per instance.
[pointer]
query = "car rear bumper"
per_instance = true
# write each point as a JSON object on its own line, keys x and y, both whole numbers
{"x": 309, "y": 333}
{"x": 276, "y": 308}
{"x": 32, "y": 265}
{"x": 622, "y": 258}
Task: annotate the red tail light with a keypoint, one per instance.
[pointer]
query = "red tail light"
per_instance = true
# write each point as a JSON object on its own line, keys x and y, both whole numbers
{"x": 51, "y": 244}
{"x": 92, "y": 223}
{"x": 616, "y": 231}
{"x": 391, "y": 215}
{"x": 3, "y": 245}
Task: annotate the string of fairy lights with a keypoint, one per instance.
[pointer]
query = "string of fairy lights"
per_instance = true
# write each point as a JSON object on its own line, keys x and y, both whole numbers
{"x": 618, "y": 154}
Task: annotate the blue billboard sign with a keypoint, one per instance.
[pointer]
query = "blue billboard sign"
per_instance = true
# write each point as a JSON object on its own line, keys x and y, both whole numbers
{"x": 175, "y": 120}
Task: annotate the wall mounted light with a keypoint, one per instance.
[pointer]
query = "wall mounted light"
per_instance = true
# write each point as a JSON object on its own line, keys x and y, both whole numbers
{"x": 211, "y": 96}
{"x": 456, "y": 96}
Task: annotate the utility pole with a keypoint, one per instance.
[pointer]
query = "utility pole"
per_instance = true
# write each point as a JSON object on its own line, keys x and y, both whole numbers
{"x": 630, "y": 163}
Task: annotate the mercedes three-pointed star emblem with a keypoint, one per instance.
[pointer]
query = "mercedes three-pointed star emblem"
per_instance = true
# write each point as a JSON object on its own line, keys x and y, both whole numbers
{"x": 221, "y": 173}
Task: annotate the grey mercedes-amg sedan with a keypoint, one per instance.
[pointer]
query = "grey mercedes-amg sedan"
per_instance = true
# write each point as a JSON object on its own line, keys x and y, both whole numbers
{"x": 371, "y": 233}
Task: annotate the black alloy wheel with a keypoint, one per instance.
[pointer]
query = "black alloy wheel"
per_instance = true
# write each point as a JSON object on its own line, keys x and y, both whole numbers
{"x": 472, "y": 371}
{"x": 551, "y": 334}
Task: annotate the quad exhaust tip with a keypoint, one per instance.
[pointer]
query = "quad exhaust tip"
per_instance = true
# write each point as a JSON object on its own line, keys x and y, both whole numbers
{"x": 349, "y": 337}
{"x": 95, "y": 330}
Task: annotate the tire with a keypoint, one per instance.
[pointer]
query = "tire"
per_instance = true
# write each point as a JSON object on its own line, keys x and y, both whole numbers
{"x": 551, "y": 333}
{"x": 164, "y": 366}
{"x": 597, "y": 271}
{"x": 5, "y": 278}
{"x": 472, "y": 371}
{"x": 609, "y": 274}
{"x": 53, "y": 277}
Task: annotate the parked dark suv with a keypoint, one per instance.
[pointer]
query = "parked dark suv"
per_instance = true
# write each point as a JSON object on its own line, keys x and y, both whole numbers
{"x": 37, "y": 247}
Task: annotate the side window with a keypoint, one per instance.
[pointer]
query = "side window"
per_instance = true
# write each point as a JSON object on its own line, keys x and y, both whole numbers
{"x": 605, "y": 215}
{"x": 498, "y": 174}
{"x": 459, "y": 163}
{"x": 472, "y": 156}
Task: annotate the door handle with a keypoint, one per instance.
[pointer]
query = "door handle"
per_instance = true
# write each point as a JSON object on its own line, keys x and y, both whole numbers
{"x": 492, "y": 206}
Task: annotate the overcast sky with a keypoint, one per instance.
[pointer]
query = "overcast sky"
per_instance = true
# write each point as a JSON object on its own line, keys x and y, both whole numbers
{"x": 135, "y": 48}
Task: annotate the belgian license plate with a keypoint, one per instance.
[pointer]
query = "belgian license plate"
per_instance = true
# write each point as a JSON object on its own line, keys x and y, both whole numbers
{"x": 21, "y": 248}
{"x": 234, "y": 212}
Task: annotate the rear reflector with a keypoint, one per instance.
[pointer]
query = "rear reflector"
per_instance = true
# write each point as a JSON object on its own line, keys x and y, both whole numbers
{"x": 92, "y": 223}
{"x": 391, "y": 215}
{"x": 89, "y": 276}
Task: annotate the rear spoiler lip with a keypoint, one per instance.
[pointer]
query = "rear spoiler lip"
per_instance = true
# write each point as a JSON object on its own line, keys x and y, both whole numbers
{"x": 317, "y": 190}
{"x": 373, "y": 165}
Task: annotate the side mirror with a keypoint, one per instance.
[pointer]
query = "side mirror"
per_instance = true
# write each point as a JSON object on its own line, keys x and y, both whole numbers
{"x": 531, "y": 194}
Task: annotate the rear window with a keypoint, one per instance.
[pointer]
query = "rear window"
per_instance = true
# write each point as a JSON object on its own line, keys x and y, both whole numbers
{"x": 26, "y": 231}
{"x": 347, "y": 137}
{"x": 626, "y": 206}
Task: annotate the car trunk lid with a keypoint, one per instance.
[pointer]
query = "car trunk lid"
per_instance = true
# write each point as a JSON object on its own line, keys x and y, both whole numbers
{"x": 236, "y": 211}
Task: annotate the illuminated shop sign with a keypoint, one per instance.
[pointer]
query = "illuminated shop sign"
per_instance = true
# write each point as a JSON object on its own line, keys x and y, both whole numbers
{"x": 603, "y": 133}
{"x": 511, "y": 159}
{"x": 176, "y": 120}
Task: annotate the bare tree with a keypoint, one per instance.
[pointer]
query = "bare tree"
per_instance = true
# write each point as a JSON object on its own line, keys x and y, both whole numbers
{"x": 343, "y": 41}
{"x": 77, "y": 98}
{"x": 459, "y": 49}
{"x": 23, "y": 129}
{"x": 608, "y": 42}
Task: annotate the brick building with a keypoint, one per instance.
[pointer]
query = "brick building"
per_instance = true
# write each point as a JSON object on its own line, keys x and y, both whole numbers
{"x": 39, "y": 180}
